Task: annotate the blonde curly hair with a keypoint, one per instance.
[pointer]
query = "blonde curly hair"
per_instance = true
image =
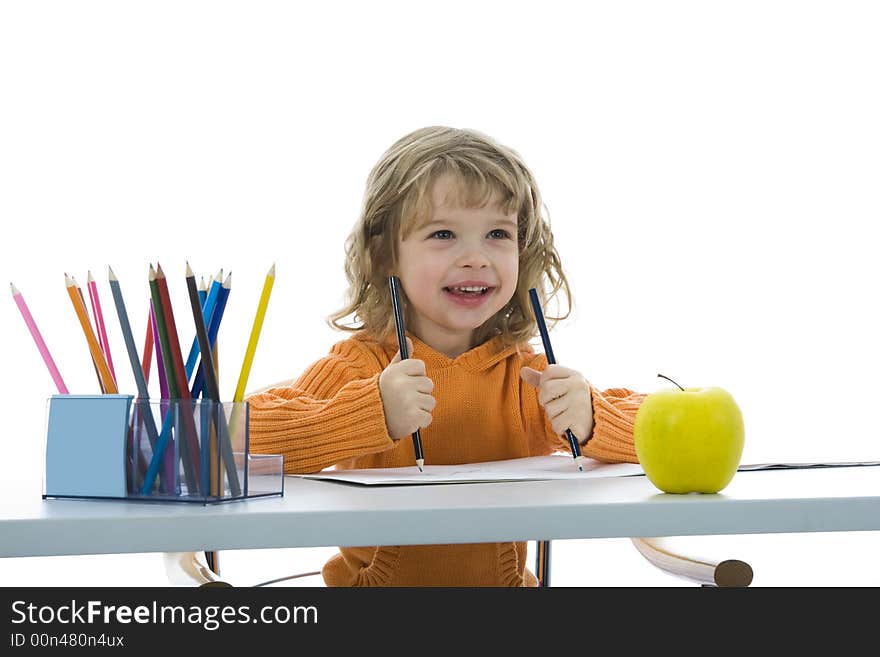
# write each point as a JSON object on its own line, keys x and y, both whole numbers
{"x": 398, "y": 196}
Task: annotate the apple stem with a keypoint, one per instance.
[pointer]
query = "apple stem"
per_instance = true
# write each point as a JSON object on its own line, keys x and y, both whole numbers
{"x": 668, "y": 379}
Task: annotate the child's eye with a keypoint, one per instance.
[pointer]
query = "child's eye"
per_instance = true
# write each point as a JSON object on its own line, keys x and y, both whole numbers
{"x": 442, "y": 234}
{"x": 499, "y": 234}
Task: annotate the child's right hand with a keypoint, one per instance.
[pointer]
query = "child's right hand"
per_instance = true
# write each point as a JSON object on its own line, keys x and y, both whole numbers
{"x": 406, "y": 395}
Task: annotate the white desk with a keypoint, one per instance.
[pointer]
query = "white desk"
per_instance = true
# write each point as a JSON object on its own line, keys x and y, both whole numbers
{"x": 320, "y": 513}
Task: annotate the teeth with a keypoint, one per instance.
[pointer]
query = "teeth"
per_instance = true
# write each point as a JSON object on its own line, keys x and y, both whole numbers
{"x": 471, "y": 289}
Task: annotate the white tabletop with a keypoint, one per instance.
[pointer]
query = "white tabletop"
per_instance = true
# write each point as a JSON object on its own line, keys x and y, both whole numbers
{"x": 321, "y": 513}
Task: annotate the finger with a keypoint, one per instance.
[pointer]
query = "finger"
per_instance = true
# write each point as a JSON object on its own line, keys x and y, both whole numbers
{"x": 409, "y": 350}
{"x": 555, "y": 372}
{"x": 562, "y": 422}
{"x": 425, "y": 419}
{"x": 556, "y": 408}
{"x": 412, "y": 367}
{"x": 427, "y": 402}
{"x": 424, "y": 384}
{"x": 531, "y": 376}
{"x": 552, "y": 390}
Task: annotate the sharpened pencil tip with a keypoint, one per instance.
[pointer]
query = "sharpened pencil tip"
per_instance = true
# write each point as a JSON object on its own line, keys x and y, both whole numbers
{"x": 272, "y": 271}
{"x": 189, "y": 271}
{"x": 90, "y": 278}
{"x": 110, "y": 273}
{"x": 14, "y": 290}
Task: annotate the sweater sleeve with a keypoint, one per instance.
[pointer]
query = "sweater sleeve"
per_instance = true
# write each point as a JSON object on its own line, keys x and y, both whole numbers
{"x": 333, "y": 412}
{"x": 614, "y": 412}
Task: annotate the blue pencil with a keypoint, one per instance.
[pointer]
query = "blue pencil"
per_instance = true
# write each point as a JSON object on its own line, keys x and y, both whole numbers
{"x": 216, "y": 317}
{"x": 551, "y": 360}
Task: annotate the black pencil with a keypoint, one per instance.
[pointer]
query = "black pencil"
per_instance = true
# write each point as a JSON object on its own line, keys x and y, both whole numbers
{"x": 551, "y": 360}
{"x": 213, "y": 390}
{"x": 404, "y": 354}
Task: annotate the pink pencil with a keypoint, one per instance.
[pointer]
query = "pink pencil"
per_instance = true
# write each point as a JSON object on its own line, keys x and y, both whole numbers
{"x": 148, "y": 347}
{"x": 38, "y": 338}
{"x": 163, "y": 381}
{"x": 99, "y": 323}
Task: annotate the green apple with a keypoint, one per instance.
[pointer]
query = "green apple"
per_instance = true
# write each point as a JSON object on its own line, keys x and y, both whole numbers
{"x": 689, "y": 440}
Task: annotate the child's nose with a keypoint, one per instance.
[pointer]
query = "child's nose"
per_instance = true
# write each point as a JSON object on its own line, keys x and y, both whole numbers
{"x": 472, "y": 256}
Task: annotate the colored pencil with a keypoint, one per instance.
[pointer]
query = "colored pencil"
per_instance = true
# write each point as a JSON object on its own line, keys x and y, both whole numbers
{"x": 213, "y": 328}
{"x": 207, "y": 308}
{"x": 551, "y": 360}
{"x": 160, "y": 361}
{"x": 189, "y": 451}
{"x": 143, "y": 400}
{"x": 161, "y": 454}
{"x": 178, "y": 373}
{"x": 106, "y": 380}
{"x": 94, "y": 363}
{"x": 148, "y": 348}
{"x": 394, "y": 284}
{"x": 170, "y": 472}
{"x": 255, "y": 335}
{"x": 131, "y": 348}
{"x": 99, "y": 322}
{"x": 203, "y": 291}
{"x": 38, "y": 339}
{"x": 212, "y": 388}
{"x": 170, "y": 468}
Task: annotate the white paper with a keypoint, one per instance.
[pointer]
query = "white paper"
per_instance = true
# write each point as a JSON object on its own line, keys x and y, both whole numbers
{"x": 535, "y": 468}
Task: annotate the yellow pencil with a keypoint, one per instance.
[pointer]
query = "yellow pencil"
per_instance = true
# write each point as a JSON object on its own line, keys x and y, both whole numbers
{"x": 105, "y": 378}
{"x": 255, "y": 335}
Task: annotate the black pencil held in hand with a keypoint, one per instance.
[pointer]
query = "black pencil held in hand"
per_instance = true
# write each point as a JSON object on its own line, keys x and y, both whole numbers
{"x": 394, "y": 284}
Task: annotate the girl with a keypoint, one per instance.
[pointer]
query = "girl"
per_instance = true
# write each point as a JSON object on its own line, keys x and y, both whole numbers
{"x": 457, "y": 217}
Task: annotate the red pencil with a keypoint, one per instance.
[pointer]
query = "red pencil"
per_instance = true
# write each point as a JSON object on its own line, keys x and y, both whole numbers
{"x": 173, "y": 339}
{"x": 179, "y": 372}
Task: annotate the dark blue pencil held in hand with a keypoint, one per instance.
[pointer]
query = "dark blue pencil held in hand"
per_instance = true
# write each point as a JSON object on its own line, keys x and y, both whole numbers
{"x": 551, "y": 360}
{"x": 394, "y": 284}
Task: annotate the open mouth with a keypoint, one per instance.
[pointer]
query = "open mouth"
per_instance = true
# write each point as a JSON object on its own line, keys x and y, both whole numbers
{"x": 468, "y": 291}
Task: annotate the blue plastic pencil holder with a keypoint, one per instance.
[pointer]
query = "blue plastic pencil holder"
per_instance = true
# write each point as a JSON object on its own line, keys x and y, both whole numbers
{"x": 193, "y": 450}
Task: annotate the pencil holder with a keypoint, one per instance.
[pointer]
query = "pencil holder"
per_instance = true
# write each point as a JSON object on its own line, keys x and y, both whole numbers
{"x": 193, "y": 450}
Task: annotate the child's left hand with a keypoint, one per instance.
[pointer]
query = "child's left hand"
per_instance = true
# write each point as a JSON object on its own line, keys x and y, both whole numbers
{"x": 565, "y": 396}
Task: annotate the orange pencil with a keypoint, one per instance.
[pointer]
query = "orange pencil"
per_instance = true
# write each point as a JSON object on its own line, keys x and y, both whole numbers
{"x": 104, "y": 377}
{"x": 94, "y": 364}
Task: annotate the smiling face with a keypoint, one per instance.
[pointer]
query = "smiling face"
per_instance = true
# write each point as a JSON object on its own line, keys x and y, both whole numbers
{"x": 458, "y": 269}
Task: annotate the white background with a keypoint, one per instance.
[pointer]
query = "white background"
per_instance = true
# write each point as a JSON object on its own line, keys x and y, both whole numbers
{"x": 710, "y": 171}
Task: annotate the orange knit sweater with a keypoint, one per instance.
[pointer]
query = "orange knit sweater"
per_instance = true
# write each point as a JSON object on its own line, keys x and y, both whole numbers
{"x": 333, "y": 414}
